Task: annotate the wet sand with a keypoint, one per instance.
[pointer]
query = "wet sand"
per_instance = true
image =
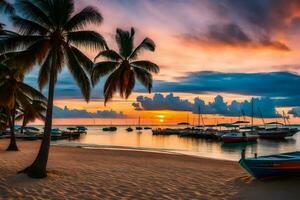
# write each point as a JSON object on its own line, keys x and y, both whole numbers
{"x": 77, "y": 173}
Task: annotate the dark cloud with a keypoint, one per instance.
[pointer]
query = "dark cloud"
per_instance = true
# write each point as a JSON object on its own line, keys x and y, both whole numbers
{"x": 232, "y": 34}
{"x": 295, "y": 112}
{"x": 262, "y": 106}
{"x": 274, "y": 84}
{"x": 282, "y": 85}
{"x": 268, "y": 15}
{"x": 76, "y": 113}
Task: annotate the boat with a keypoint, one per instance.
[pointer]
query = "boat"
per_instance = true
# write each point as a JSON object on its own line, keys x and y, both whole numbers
{"x": 278, "y": 165}
{"x": 129, "y": 129}
{"x": 110, "y": 129}
{"x": 81, "y": 129}
{"x": 238, "y": 137}
{"x": 31, "y": 133}
{"x": 147, "y": 128}
{"x": 167, "y": 131}
{"x": 72, "y": 133}
{"x": 277, "y": 132}
{"x": 56, "y": 134}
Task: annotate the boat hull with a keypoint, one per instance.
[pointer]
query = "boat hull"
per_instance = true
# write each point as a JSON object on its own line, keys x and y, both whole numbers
{"x": 270, "y": 169}
{"x": 277, "y": 134}
{"x": 238, "y": 139}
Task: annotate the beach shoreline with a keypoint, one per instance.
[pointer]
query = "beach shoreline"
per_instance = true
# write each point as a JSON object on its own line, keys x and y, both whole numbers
{"x": 83, "y": 173}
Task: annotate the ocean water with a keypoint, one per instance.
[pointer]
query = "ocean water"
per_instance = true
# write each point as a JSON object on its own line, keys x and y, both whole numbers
{"x": 144, "y": 140}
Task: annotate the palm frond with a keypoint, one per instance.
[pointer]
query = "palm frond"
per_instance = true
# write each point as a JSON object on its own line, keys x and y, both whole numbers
{"x": 87, "y": 39}
{"x": 101, "y": 69}
{"x": 33, "y": 11}
{"x": 146, "y": 44}
{"x": 144, "y": 77}
{"x": 26, "y": 59}
{"x": 111, "y": 85}
{"x": 84, "y": 61}
{"x": 60, "y": 11}
{"x": 124, "y": 41}
{"x": 109, "y": 54}
{"x": 44, "y": 72}
{"x": 78, "y": 73}
{"x": 84, "y": 17}
{"x": 146, "y": 65}
{"x": 28, "y": 27}
{"x": 127, "y": 82}
{"x": 7, "y": 99}
{"x": 16, "y": 42}
{"x": 31, "y": 92}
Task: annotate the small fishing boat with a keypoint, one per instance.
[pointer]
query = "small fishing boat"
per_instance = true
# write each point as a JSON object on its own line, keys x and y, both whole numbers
{"x": 263, "y": 167}
{"x": 81, "y": 129}
{"x": 31, "y": 133}
{"x": 56, "y": 134}
{"x": 129, "y": 129}
{"x": 238, "y": 137}
{"x": 110, "y": 129}
{"x": 147, "y": 128}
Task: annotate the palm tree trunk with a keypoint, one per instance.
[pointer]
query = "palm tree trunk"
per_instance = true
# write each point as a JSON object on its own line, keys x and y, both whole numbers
{"x": 13, "y": 144}
{"x": 38, "y": 169}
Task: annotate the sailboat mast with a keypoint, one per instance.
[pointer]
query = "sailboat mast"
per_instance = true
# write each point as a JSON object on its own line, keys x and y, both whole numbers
{"x": 261, "y": 116}
{"x": 283, "y": 116}
{"x": 139, "y": 122}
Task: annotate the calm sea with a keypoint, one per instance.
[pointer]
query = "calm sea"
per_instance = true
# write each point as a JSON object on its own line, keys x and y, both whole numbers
{"x": 144, "y": 140}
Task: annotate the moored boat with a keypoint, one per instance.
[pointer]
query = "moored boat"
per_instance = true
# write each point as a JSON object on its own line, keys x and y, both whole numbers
{"x": 238, "y": 137}
{"x": 81, "y": 129}
{"x": 129, "y": 129}
{"x": 277, "y": 132}
{"x": 110, "y": 129}
{"x": 262, "y": 167}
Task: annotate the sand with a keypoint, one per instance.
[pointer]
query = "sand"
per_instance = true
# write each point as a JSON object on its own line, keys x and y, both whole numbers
{"x": 77, "y": 173}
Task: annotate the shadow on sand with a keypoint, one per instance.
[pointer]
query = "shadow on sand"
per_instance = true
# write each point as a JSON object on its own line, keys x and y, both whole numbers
{"x": 285, "y": 188}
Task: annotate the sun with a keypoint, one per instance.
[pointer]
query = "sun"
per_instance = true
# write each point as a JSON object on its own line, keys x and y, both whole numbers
{"x": 161, "y": 120}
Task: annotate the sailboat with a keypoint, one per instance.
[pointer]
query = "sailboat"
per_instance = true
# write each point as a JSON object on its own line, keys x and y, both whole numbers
{"x": 111, "y": 128}
{"x": 276, "y": 130}
{"x": 237, "y": 136}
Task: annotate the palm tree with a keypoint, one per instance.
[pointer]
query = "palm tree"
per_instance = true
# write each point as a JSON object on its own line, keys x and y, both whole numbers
{"x": 123, "y": 67}
{"x": 19, "y": 95}
{"x": 49, "y": 35}
{"x": 36, "y": 110}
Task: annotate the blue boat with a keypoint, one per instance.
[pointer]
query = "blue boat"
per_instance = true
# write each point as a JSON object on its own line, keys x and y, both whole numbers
{"x": 278, "y": 165}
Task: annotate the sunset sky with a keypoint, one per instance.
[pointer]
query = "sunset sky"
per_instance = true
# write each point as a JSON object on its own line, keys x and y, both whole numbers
{"x": 234, "y": 49}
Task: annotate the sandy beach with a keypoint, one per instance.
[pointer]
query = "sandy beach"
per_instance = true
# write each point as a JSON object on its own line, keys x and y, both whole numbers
{"x": 77, "y": 173}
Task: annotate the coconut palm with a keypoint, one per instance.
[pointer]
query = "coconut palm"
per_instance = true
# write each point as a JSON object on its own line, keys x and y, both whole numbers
{"x": 36, "y": 110}
{"x": 19, "y": 95}
{"x": 50, "y": 34}
{"x": 123, "y": 67}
